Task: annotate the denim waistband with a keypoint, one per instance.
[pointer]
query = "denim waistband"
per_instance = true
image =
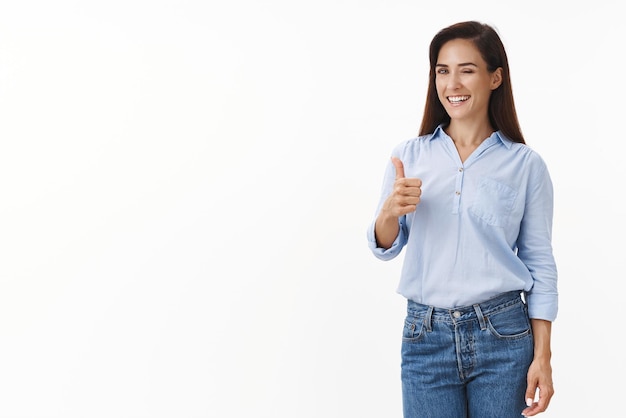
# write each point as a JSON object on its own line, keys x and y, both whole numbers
{"x": 464, "y": 313}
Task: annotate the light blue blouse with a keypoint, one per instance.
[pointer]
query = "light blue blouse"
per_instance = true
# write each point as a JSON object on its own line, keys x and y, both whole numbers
{"x": 483, "y": 227}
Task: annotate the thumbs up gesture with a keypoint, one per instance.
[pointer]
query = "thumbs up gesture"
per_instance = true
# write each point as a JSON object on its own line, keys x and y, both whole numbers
{"x": 405, "y": 195}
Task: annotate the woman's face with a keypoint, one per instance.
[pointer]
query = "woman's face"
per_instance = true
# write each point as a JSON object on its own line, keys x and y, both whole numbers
{"x": 463, "y": 82}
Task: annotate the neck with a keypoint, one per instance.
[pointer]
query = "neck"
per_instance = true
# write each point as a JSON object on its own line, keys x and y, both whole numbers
{"x": 468, "y": 134}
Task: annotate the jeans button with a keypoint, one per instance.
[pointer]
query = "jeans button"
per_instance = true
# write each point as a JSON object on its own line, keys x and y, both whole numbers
{"x": 456, "y": 314}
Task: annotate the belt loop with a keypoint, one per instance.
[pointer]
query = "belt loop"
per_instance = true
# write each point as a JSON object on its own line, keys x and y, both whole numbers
{"x": 481, "y": 318}
{"x": 428, "y": 318}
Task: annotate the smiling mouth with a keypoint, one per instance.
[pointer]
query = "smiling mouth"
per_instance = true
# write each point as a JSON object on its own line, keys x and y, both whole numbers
{"x": 457, "y": 99}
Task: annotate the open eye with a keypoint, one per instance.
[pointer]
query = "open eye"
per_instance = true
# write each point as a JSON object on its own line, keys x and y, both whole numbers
{"x": 442, "y": 71}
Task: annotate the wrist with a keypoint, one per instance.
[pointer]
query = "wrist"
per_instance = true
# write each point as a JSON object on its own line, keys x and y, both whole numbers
{"x": 542, "y": 355}
{"x": 386, "y": 217}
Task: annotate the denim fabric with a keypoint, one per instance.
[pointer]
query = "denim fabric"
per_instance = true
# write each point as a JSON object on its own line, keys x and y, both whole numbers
{"x": 466, "y": 362}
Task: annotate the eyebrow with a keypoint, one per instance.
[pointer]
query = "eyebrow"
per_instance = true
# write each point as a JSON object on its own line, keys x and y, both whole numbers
{"x": 463, "y": 64}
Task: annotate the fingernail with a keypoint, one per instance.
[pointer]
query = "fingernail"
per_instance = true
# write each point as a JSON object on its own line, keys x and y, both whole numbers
{"x": 529, "y": 401}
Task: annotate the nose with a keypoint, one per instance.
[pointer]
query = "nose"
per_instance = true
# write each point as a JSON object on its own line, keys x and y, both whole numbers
{"x": 454, "y": 81}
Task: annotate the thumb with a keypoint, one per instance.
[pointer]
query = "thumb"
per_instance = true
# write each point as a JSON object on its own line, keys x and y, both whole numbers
{"x": 397, "y": 163}
{"x": 530, "y": 395}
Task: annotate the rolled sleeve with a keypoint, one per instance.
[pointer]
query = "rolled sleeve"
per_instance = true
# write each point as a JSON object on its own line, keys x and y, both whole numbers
{"x": 396, "y": 247}
{"x": 542, "y": 305}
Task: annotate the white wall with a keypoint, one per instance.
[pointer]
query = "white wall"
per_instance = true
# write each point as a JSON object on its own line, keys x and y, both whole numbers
{"x": 185, "y": 188}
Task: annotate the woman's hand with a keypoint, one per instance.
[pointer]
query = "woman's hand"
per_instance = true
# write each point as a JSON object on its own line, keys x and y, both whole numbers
{"x": 405, "y": 195}
{"x": 403, "y": 199}
{"x": 539, "y": 377}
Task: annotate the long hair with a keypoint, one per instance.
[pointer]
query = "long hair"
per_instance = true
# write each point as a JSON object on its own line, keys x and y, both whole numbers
{"x": 502, "y": 114}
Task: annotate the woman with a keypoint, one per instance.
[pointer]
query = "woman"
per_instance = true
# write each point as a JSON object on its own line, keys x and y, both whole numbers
{"x": 473, "y": 205}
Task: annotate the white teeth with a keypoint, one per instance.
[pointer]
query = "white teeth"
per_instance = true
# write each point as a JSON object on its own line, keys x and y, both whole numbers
{"x": 458, "y": 99}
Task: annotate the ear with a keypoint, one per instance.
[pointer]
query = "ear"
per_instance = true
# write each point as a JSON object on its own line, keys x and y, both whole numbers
{"x": 496, "y": 78}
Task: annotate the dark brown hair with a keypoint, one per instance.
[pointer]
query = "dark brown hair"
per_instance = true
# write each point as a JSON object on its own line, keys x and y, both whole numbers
{"x": 502, "y": 114}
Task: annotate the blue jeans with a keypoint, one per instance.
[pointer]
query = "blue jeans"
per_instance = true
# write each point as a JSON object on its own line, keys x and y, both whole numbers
{"x": 467, "y": 362}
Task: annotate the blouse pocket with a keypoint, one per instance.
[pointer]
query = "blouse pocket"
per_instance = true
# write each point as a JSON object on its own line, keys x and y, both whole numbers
{"x": 493, "y": 202}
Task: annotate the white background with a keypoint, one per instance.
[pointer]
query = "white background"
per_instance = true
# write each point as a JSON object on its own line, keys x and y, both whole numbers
{"x": 185, "y": 188}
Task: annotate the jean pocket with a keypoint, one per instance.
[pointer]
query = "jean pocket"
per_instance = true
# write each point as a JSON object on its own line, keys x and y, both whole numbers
{"x": 509, "y": 323}
{"x": 493, "y": 202}
{"x": 413, "y": 329}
